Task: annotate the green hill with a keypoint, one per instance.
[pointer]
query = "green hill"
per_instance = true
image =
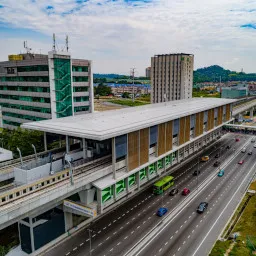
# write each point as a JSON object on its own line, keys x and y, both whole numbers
{"x": 213, "y": 74}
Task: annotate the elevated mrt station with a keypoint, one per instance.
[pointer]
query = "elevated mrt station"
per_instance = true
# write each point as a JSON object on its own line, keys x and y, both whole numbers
{"x": 119, "y": 153}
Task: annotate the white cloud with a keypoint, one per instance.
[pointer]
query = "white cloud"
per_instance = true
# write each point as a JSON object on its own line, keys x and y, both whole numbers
{"x": 117, "y": 36}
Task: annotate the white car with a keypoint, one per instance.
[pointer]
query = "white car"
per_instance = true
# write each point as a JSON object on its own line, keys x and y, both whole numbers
{"x": 254, "y": 146}
{"x": 253, "y": 140}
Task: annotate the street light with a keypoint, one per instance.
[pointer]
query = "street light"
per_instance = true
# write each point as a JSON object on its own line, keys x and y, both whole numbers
{"x": 90, "y": 239}
{"x": 70, "y": 170}
{"x": 34, "y": 150}
{"x": 21, "y": 161}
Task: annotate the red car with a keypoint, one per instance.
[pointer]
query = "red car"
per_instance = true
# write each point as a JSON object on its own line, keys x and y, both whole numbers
{"x": 237, "y": 139}
{"x": 241, "y": 162}
{"x": 185, "y": 191}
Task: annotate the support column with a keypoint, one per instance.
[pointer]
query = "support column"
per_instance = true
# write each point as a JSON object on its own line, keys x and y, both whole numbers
{"x": 138, "y": 179}
{"x": 60, "y": 142}
{"x": 31, "y": 234}
{"x": 87, "y": 196}
{"x": 84, "y": 142}
{"x": 127, "y": 184}
{"x": 114, "y": 157}
{"x": 99, "y": 200}
{"x": 251, "y": 113}
{"x": 68, "y": 218}
{"x": 45, "y": 142}
{"x": 67, "y": 144}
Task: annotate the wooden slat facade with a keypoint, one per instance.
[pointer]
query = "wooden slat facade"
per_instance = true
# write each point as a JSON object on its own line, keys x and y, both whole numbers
{"x": 197, "y": 125}
{"x": 144, "y": 146}
{"x": 201, "y": 122}
{"x": 161, "y": 139}
{"x": 133, "y": 150}
{"x": 220, "y": 114}
{"x": 181, "y": 131}
{"x": 210, "y": 124}
{"x": 169, "y": 136}
{"x": 228, "y": 112}
{"x": 187, "y": 128}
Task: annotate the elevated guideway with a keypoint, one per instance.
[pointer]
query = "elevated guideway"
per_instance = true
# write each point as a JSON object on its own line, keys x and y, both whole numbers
{"x": 243, "y": 107}
{"x": 48, "y": 192}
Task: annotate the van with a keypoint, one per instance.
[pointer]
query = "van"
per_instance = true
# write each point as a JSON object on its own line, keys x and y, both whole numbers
{"x": 243, "y": 150}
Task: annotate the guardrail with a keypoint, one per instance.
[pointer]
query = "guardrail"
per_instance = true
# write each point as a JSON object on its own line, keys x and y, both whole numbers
{"x": 43, "y": 183}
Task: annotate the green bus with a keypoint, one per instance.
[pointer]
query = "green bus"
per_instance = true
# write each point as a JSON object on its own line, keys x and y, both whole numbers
{"x": 163, "y": 184}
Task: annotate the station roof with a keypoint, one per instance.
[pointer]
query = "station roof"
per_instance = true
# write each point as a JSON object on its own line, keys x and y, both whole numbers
{"x": 109, "y": 124}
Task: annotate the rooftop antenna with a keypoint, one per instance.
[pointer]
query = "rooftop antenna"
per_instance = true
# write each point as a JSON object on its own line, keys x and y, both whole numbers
{"x": 67, "y": 43}
{"x": 26, "y": 47}
{"x": 54, "y": 42}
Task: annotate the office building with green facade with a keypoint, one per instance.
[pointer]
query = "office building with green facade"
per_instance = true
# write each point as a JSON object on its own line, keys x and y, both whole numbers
{"x": 35, "y": 87}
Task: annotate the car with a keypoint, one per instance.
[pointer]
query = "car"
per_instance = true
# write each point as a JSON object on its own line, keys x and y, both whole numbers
{"x": 161, "y": 211}
{"x": 202, "y": 207}
{"x": 185, "y": 191}
{"x": 250, "y": 152}
{"x": 205, "y": 158}
{"x": 241, "y": 162}
{"x": 243, "y": 150}
{"x": 237, "y": 139}
{"x": 221, "y": 173}
{"x": 217, "y": 163}
{"x": 253, "y": 140}
{"x": 217, "y": 155}
{"x": 254, "y": 145}
{"x": 196, "y": 172}
{"x": 174, "y": 192}
{"x": 228, "y": 147}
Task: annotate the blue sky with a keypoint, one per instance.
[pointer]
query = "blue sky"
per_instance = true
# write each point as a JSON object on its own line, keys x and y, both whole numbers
{"x": 120, "y": 34}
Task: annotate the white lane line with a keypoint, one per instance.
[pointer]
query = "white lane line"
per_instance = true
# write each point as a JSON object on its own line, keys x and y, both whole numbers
{"x": 171, "y": 237}
{"x": 188, "y": 236}
{"x": 111, "y": 249}
{"x": 99, "y": 232}
{"x": 138, "y": 227}
{"x": 166, "y": 243}
{"x": 125, "y": 237}
{"x": 100, "y": 244}
{"x": 132, "y": 232}
{"x": 109, "y": 224}
{"x": 87, "y": 240}
{"x": 179, "y": 249}
{"x": 81, "y": 244}
{"x": 74, "y": 248}
{"x": 119, "y": 243}
{"x": 160, "y": 249}
{"x": 104, "y": 228}
{"x": 67, "y": 253}
{"x": 114, "y": 233}
{"x": 184, "y": 242}
{"x": 94, "y": 235}
{"x": 107, "y": 238}
{"x": 114, "y": 221}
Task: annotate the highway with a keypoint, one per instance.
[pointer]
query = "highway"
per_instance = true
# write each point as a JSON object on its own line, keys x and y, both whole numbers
{"x": 193, "y": 234}
{"x": 117, "y": 232}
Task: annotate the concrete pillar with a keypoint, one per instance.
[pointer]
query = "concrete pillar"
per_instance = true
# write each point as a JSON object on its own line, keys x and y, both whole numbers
{"x": 114, "y": 158}
{"x": 114, "y": 192}
{"x": 31, "y": 234}
{"x": 68, "y": 218}
{"x": 67, "y": 144}
{"x": 45, "y": 142}
{"x": 127, "y": 184}
{"x": 137, "y": 175}
{"x": 84, "y": 142}
{"x": 99, "y": 200}
{"x": 60, "y": 142}
{"x": 87, "y": 196}
{"x": 251, "y": 113}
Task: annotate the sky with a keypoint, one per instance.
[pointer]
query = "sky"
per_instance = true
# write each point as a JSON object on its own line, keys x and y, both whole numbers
{"x": 118, "y": 35}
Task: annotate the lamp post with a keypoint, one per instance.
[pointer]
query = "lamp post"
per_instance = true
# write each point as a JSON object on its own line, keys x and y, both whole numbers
{"x": 21, "y": 161}
{"x": 90, "y": 239}
{"x": 70, "y": 171}
{"x": 33, "y": 146}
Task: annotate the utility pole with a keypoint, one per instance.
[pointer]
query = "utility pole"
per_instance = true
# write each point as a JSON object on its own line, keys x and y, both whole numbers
{"x": 132, "y": 75}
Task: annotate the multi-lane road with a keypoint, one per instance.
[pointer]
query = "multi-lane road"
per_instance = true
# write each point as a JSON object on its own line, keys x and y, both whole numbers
{"x": 186, "y": 233}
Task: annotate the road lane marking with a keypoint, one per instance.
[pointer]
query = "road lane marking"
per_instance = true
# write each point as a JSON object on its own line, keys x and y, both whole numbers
{"x": 74, "y": 248}
{"x": 81, "y": 244}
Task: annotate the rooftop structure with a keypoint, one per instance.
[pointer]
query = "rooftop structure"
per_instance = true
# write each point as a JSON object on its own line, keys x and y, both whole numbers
{"x": 104, "y": 125}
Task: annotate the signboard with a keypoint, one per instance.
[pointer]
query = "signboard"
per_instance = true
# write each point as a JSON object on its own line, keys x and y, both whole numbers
{"x": 80, "y": 208}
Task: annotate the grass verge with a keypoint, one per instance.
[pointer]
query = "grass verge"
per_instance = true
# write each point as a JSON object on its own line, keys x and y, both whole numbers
{"x": 129, "y": 102}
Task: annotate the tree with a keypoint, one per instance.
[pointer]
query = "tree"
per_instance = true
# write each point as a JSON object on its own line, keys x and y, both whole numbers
{"x": 103, "y": 90}
{"x": 126, "y": 95}
{"x": 22, "y": 139}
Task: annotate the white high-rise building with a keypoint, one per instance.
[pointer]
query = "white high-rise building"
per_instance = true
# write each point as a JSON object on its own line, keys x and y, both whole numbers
{"x": 171, "y": 77}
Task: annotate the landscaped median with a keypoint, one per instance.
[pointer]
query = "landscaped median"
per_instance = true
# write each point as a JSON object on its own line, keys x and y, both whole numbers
{"x": 242, "y": 223}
